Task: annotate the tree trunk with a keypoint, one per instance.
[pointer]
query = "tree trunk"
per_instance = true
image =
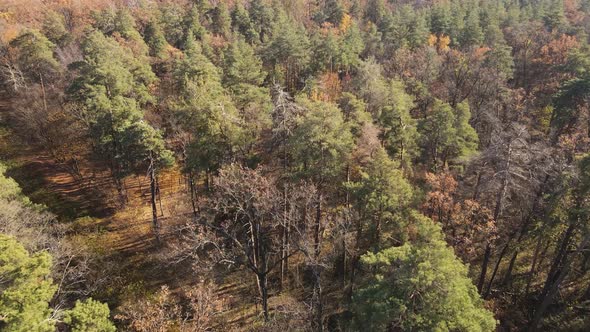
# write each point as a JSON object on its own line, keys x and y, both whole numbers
{"x": 496, "y": 267}
{"x": 318, "y": 226}
{"x": 155, "y": 223}
{"x": 263, "y": 289}
{"x": 497, "y": 213}
{"x": 553, "y": 288}
{"x": 484, "y": 267}
{"x": 193, "y": 193}
{"x": 317, "y": 321}
{"x": 531, "y": 273}
{"x": 558, "y": 261}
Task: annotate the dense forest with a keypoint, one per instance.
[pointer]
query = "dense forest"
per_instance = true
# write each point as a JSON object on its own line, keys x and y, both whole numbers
{"x": 294, "y": 165}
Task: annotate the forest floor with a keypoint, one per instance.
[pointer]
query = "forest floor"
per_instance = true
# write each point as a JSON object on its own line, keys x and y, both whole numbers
{"x": 123, "y": 234}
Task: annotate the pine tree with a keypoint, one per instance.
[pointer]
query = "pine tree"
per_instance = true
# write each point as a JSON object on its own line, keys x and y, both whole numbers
{"x": 241, "y": 23}
{"x": 35, "y": 56}
{"x": 382, "y": 196}
{"x": 287, "y": 51}
{"x": 192, "y": 24}
{"x": 221, "y": 20}
{"x": 472, "y": 34}
{"x": 262, "y": 17}
{"x": 399, "y": 134}
{"x": 447, "y": 135}
{"x": 205, "y": 111}
{"x": 89, "y": 316}
{"x": 26, "y": 288}
{"x": 113, "y": 85}
{"x": 243, "y": 76}
{"x": 154, "y": 38}
{"x": 420, "y": 285}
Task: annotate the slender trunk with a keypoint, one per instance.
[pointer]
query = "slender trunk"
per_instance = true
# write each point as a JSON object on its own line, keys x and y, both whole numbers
{"x": 496, "y": 267}
{"x": 558, "y": 261}
{"x": 553, "y": 288}
{"x": 317, "y": 321}
{"x": 523, "y": 230}
{"x": 155, "y": 223}
{"x": 263, "y": 289}
{"x": 484, "y": 267}
{"x": 318, "y": 226}
{"x": 497, "y": 213}
{"x": 193, "y": 193}
{"x": 158, "y": 193}
{"x": 531, "y": 273}
{"x": 285, "y": 238}
{"x": 477, "y": 184}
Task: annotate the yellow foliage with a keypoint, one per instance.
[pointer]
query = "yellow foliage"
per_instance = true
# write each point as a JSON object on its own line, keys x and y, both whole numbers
{"x": 345, "y": 23}
{"x": 441, "y": 42}
{"x": 432, "y": 39}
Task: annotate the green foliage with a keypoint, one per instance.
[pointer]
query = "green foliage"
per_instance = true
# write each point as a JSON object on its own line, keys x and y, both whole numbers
{"x": 287, "y": 50}
{"x": 171, "y": 19}
{"x": 420, "y": 285}
{"x": 89, "y": 316}
{"x": 25, "y": 288}
{"x": 192, "y": 23}
{"x": 375, "y": 11}
{"x": 221, "y": 20}
{"x": 399, "y": 133}
{"x": 205, "y": 109}
{"x": 241, "y": 23}
{"x": 472, "y": 34}
{"x": 54, "y": 28}
{"x": 154, "y": 38}
{"x": 554, "y": 18}
{"x": 113, "y": 85}
{"x": 355, "y": 113}
{"x": 35, "y": 56}
{"x": 262, "y": 17}
{"x": 331, "y": 11}
{"x": 321, "y": 141}
{"x": 446, "y": 134}
{"x": 382, "y": 195}
{"x": 243, "y": 76}
{"x": 9, "y": 189}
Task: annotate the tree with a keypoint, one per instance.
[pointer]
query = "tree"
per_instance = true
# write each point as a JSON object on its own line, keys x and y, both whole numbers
{"x": 247, "y": 207}
{"x": 89, "y": 316}
{"x": 262, "y": 17}
{"x": 447, "y": 135}
{"x": 375, "y": 11}
{"x": 420, "y": 285}
{"x": 382, "y": 195}
{"x": 155, "y": 39}
{"x": 286, "y": 51}
{"x": 35, "y": 56}
{"x": 26, "y": 288}
{"x": 243, "y": 77}
{"x": 241, "y": 23}
{"x": 221, "y": 20}
{"x": 113, "y": 85}
{"x": 54, "y": 28}
{"x": 320, "y": 145}
{"x": 472, "y": 34}
{"x": 399, "y": 134}
{"x": 192, "y": 25}
{"x": 205, "y": 111}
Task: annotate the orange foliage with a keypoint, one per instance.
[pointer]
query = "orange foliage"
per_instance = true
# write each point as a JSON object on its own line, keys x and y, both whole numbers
{"x": 467, "y": 224}
{"x": 328, "y": 89}
{"x": 556, "y": 52}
